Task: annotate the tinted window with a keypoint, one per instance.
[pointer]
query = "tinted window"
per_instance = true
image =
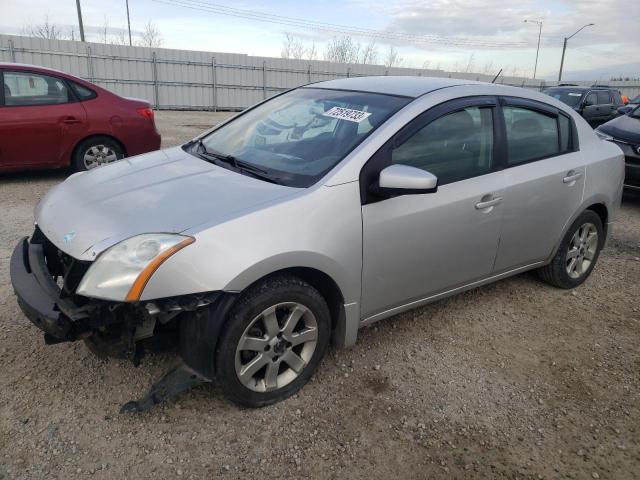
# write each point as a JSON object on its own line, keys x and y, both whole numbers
{"x": 592, "y": 99}
{"x": 299, "y": 136}
{"x": 24, "y": 88}
{"x": 81, "y": 92}
{"x": 454, "y": 147}
{"x": 530, "y": 135}
{"x": 570, "y": 97}
{"x": 603, "y": 98}
{"x": 617, "y": 98}
{"x": 565, "y": 133}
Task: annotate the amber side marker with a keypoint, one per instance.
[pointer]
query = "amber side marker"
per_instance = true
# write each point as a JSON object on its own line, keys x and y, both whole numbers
{"x": 138, "y": 286}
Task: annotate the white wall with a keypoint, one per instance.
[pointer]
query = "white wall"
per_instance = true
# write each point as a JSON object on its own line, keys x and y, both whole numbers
{"x": 185, "y": 79}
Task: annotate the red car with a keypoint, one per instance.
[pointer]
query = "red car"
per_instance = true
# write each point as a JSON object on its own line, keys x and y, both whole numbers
{"x": 51, "y": 119}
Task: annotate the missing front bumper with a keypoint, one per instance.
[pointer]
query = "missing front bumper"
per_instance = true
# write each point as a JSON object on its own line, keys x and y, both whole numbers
{"x": 39, "y": 295}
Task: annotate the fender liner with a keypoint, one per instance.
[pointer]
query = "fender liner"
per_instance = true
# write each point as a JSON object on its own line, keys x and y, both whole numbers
{"x": 199, "y": 333}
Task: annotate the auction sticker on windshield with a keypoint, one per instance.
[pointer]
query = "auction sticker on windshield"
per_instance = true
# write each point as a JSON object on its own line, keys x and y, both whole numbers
{"x": 347, "y": 114}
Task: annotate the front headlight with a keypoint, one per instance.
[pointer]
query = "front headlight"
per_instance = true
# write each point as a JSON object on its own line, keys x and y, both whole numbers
{"x": 603, "y": 136}
{"x": 122, "y": 271}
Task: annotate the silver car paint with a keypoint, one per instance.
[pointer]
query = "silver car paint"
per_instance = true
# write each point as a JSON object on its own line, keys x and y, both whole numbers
{"x": 246, "y": 228}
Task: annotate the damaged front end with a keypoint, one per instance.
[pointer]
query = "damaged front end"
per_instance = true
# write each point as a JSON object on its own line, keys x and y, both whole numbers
{"x": 45, "y": 280}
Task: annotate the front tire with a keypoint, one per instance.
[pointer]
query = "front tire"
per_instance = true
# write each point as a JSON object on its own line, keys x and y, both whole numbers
{"x": 578, "y": 253}
{"x": 273, "y": 341}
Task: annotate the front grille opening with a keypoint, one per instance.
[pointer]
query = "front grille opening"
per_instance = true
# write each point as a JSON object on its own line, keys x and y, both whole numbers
{"x": 64, "y": 269}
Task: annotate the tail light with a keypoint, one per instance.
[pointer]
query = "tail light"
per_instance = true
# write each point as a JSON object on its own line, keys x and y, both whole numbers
{"x": 145, "y": 112}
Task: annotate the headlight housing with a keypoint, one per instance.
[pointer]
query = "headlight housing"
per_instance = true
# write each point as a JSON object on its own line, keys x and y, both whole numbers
{"x": 122, "y": 271}
{"x": 603, "y": 136}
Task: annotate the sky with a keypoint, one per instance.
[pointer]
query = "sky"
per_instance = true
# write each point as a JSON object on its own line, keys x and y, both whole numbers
{"x": 475, "y": 35}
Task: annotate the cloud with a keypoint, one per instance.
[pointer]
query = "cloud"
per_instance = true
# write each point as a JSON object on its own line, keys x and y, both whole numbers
{"x": 498, "y": 20}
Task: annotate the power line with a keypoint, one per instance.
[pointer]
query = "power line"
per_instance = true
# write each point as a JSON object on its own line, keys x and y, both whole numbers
{"x": 419, "y": 40}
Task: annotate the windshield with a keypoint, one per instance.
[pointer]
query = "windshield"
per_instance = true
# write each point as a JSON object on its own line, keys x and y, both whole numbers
{"x": 635, "y": 100}
{"x": 297, "y": 137}
{"x": 565, "y": 95}
{"x": 635, "y": 113}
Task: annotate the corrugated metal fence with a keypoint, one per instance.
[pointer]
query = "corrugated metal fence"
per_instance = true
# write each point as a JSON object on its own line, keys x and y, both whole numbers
{"x": 185, "y": 79}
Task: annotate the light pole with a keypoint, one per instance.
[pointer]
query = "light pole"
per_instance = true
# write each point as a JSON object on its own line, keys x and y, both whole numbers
{"x": 539, "y": 23}
{"x": 80, "y": 20}
{"x": 128, "y": 22}
{"x": 564, "y": 47}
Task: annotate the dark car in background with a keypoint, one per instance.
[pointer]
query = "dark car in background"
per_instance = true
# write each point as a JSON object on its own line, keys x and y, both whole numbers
{"x": 633, "y": 103}
{"x": 596, "y": 104}
{"x": 50, "y": 119}
{"x": 624, "y": 131}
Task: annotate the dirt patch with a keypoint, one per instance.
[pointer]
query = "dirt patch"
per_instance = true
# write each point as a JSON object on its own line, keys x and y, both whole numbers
{"x": 512, "y": 380}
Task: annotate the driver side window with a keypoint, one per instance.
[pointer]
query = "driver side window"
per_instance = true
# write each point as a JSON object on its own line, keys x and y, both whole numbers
{"x": 454, "y": 147}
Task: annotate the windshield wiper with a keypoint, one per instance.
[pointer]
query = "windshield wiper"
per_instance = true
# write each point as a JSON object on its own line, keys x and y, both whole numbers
{"x": 246, "y": 167}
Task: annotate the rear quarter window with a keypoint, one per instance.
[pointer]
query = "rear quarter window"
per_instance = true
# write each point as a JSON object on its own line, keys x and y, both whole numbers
{"x": 82, "y": 93}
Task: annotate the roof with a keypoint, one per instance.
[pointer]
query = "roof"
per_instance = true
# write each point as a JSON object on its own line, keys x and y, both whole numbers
{"x": 26, "y": 66}
{"x": 394, "y": 85}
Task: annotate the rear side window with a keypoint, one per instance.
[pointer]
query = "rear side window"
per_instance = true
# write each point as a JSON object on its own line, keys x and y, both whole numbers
{"x": 603, "y": 98}
{"x": 592, "y": 99}
{"x": 25, "y": 88}
{"x": 564, "y": 125}
{"x": 531, "y": 135}
{"x": 83, "y": 93}
{"x": 453, "y": 147}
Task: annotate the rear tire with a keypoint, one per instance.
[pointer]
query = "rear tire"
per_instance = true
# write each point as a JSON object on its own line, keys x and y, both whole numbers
{"x": 578, "y": 253}
{"x": 273, "y": 341}
{"x": 96, "y": 152}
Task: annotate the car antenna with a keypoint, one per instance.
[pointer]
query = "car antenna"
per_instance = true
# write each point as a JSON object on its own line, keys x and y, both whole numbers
{"x": 496, "y": 77}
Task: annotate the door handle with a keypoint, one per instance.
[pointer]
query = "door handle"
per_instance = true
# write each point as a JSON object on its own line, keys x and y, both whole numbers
{"x": 488, "y": 203}
{"x": 70, "y": 120}
{"x": 572, "y": 177}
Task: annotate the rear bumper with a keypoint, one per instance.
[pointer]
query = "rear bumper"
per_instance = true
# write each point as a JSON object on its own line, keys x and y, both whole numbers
{"x": 39, "y": 296}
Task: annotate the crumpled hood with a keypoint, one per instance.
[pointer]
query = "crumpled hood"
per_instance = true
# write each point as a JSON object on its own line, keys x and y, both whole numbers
{"x": 164, "y": 191}
{"x": 623, "y": 128}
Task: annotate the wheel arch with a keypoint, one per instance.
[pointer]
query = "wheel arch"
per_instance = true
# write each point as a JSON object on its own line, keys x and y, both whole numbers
{"x": 598, "y": 206}
{"x": 326, "y": 286}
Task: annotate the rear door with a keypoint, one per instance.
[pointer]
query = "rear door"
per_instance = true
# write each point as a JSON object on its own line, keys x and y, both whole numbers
{"x": 545, "y": 177}
{"x": 40, "y": 120}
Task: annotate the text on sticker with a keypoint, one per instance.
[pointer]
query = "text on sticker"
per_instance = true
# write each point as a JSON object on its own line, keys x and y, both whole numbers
{"x": 347, "y": 114}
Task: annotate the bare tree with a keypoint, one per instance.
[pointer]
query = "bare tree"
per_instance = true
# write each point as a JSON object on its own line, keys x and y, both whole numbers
{"x": 392, "y": 58}
{"x": 369, "y": 53}
{"x": 426, "y": 64}
{"x": 103, "y": 33}
{"x": 120, "y": 38}
{"x": 470, "y": 63}
{"x": 488, "y": 68}
{"x": 342, "y": 50}
{"x": 292, "y": 47}
{"x": 150, "y": 36}
{"x": 46, "y": 30}
{"x": 312, "y": 52}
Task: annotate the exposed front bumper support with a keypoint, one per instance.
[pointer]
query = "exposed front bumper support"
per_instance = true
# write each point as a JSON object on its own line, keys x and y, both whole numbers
{"x": 39, "y": 295}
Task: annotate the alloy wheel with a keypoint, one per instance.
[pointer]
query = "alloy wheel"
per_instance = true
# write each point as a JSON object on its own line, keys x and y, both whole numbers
{"x": 582, "y": 250}
{"x": 98, "y": 155}
{"x": 276, "y": 347}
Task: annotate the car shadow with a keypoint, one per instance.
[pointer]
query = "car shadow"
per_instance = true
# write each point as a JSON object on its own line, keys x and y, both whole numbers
{"x": 35, "y": 175}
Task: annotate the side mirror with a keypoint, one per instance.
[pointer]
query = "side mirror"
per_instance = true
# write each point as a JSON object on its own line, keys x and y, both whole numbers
{"x": 401, "y": 179}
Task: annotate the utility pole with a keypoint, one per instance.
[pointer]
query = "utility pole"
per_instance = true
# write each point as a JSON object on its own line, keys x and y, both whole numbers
{"x": 80, "y": 21}
{"x": 564, "y": 48}
{"x": 539, "y": 23}
{"x": 128, "y": 22}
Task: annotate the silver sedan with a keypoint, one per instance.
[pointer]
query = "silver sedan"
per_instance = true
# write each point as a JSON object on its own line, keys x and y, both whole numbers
{"x": 315, "y": 213}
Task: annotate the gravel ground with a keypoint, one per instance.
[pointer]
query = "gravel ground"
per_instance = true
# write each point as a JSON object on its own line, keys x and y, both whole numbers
{"x": 512, "y": 380}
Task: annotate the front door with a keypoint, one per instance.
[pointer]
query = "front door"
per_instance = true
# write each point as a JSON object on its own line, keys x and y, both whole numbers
{"x": 39, "y": 120}
{"x": 415, "y": 246}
